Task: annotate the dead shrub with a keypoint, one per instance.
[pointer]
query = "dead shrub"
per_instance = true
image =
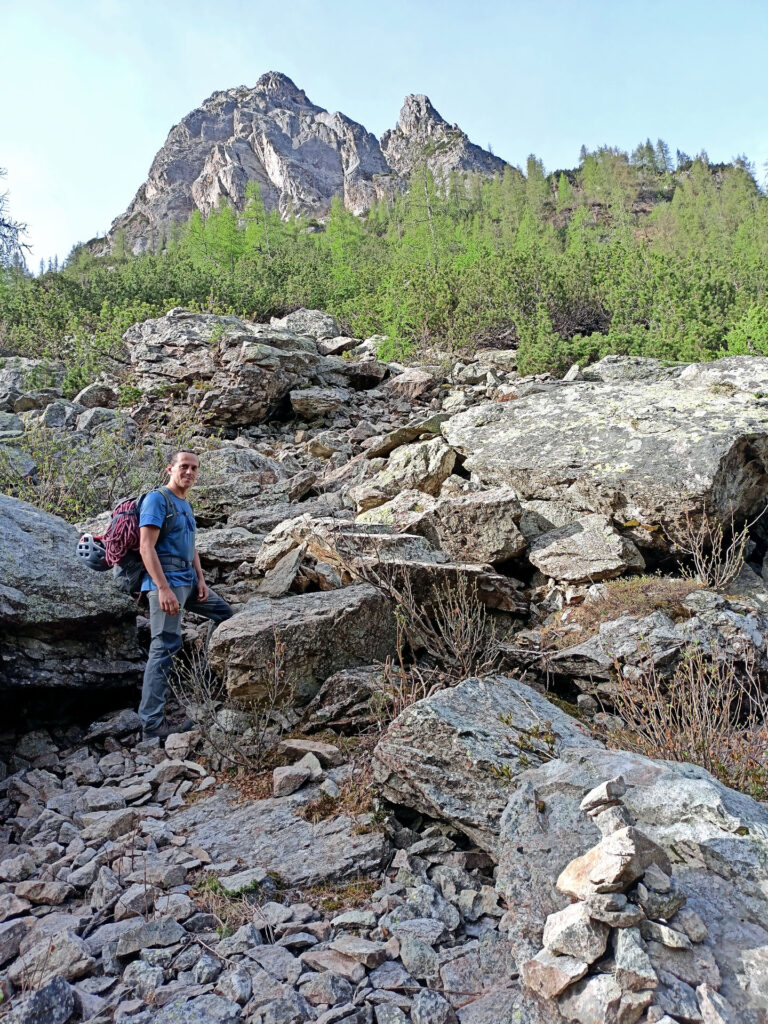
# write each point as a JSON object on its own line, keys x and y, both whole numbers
{"x": 399, "y": 686}
{"x": 711, "y": 712}
{"x": 231, "y": 910}
{"x": 638, "y": 595}
{"x": 717, "y": 555}
{"x": 240, "y": 732}
{"x": 450, "y": 625}
{"x": 449, "y": 632}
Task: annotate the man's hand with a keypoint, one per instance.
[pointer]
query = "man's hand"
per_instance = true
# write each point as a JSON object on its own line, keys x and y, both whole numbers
{"x": 202, "y": 589}
{"x": 168, "y": 601}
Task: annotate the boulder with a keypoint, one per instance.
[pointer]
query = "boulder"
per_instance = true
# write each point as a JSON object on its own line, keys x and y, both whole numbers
{"x": 310, "y": 323}
{"x": 321, "y": 633}
{"x": 227, "y": 547}
{"x": 476, "y": 527}
{"x": 52, "y": 1004}
{"x": 611, "y": 866}
{"x": 97, "y": 395}
{"x": 63, "y": 956}
{"x": 57, "y": 415}
{"x": 422, "y": 466}
{"x": 405, "y": 434}
{"x": 234, "y": 371}
{"x": 343, "y": 702}
{"x": 312, "y": 403}
{"x": 714, "y": 842}
{"x": 52, "y": 607}
{"x": 11, "y": 425}
{"x": 456, "y": 755}
{"x": 355, "y": 548}
{"x": 18, "y": 373}
{"x": 235, "y": 474}
{"x": 585, "y": 551}
{"x": 635, "y": 640}
{"x": 335, "y": 346}
{"x": 97, "y": 420}
{"x": 645, "y": 451}
{"x": 412, "y": 383}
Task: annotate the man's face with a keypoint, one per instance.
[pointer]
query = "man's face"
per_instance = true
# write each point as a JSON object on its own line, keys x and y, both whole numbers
{"x": 183, "y": 472}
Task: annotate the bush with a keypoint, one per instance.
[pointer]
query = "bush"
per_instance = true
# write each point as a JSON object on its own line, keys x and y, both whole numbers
{"x": 442, "y": 638}
{"x": 74, "y": 479}
{"x": 240, "y": 733}
{"x": 749, "y": 336}
{"x": 711, "y": 712}
{"x": 717, "y": 555}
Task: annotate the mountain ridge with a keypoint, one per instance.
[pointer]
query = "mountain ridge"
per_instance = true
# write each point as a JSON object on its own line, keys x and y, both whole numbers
{"x": 301, "y": 155}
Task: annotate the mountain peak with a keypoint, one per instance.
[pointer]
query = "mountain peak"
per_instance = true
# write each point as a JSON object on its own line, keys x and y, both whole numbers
{"x": 417, "y": 113}
{"x": 300, "y": 155}
{"x": 423, "y": 136}
{"x": 280, "y": 87}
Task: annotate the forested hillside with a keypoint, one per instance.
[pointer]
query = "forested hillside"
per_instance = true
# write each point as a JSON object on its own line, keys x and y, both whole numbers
{"x": 629, "y": 253}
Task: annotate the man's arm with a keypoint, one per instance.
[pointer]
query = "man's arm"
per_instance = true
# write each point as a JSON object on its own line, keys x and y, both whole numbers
{"x": 202, "y": 586}
{"x": 147, "y": 540}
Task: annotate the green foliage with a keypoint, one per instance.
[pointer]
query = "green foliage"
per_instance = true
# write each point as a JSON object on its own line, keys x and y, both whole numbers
{"x": 623, "y": 254}
{"x": 541, "y": 347}
{"x": 749, "y": 335}
{"x": 76, "y": 479}
{"x": 72, "y": 479}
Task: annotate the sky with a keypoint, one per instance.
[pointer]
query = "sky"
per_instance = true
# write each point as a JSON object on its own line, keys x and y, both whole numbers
{"x": 89, "y": 89}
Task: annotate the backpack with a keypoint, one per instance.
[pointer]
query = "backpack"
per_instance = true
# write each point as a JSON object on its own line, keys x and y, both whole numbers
{"x": 121, "y": 541}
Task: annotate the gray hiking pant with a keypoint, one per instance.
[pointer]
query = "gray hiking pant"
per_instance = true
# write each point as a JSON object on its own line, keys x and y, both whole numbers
{"x": 166, "y": 641}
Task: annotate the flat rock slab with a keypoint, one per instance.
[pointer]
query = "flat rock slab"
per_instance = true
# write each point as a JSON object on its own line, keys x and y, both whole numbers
{"x": 163, "y": 931}
{"x": 451, "y": 756}
{"x": 321, "y": 633}
{"x": 644, "y": 450}
{"x": 586, "y": 551}
{"x": 476, "y": 527}
{"x": 267, "y": 834}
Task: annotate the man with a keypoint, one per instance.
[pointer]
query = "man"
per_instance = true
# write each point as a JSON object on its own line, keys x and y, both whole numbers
{"x": 171, "y": 589}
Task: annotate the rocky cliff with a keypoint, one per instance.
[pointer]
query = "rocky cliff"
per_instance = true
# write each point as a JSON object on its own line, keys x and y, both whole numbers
{"x": 423, "y": 136}
{"x": 300, "y": 155}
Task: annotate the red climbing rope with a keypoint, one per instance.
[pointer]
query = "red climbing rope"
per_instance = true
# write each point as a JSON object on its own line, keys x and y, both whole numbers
{"x": 123, "y": 533}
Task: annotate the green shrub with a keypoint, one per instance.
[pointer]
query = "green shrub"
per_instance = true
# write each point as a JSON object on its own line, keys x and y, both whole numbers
{"x": 749, "y": 335}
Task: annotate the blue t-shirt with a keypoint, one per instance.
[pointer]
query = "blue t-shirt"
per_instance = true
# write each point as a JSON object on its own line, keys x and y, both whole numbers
{"x": 180, "y": 542}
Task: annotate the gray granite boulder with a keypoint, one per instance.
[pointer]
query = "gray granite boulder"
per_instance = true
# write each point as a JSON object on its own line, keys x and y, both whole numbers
{"x": 321, "y": 633}
{"x": 310, "y": 323}
{"x": 456, "y": 755}
{"x": 641, "y": 451}
{"x": 476, "y": 527}
{"x": 233, "y": 371}
{"x": 586, "y": 551}
{"x": 61, "y": 624}
{"x": 714, "y": 625}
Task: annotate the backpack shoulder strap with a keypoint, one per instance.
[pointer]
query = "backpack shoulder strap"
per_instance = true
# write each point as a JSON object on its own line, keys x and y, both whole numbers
{"x": 170, "y": 513}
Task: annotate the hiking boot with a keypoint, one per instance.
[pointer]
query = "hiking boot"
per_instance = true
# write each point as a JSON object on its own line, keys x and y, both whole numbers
{"x": 167, "y": 728}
